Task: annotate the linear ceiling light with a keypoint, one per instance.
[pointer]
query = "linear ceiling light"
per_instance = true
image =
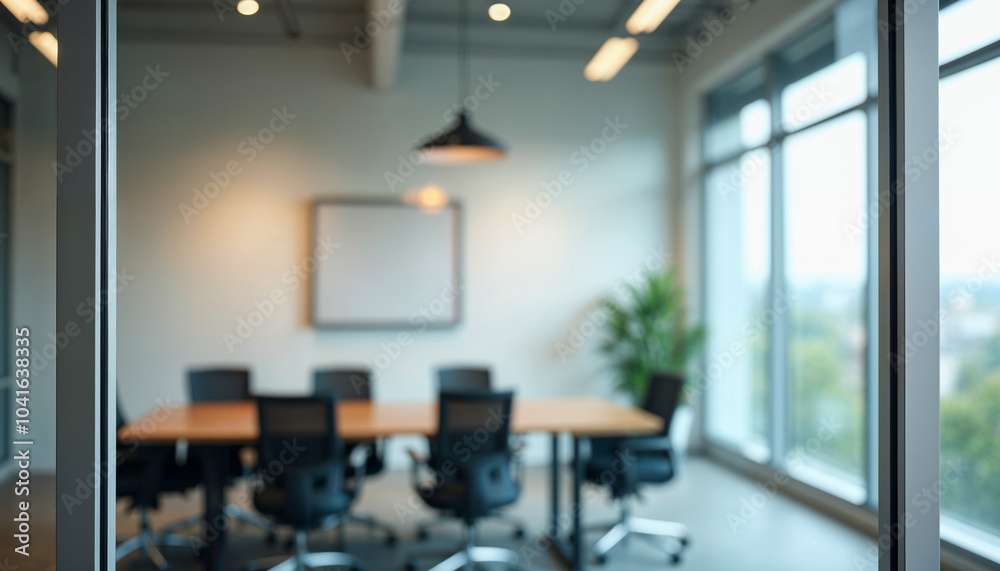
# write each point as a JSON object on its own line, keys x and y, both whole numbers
{"x": 649, "y": 15}
{"x": 610, "y": 59}
{"x": 47, "y": 44}
{"x": 27, "y": 11}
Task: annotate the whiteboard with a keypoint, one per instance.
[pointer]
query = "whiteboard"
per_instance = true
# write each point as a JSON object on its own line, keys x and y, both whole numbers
{"x": 391, "y": 265}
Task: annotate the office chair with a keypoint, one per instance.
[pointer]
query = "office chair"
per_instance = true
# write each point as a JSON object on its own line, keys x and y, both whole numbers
{"x": 355, "y": 384}
{"x": 654, "y": 463}
{"x": 463, "y": 379}
{"x": 309, "y": 491}
{"x": 471, "y": 467}
{"x": 224, "y": 385}
{"x": 143, "y": 473}
{"x": 219, "y": 385}
{"x": 456, "y": 379}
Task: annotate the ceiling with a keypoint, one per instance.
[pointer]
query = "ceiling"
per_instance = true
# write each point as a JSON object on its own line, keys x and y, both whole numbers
{"x": 570, "y": 28}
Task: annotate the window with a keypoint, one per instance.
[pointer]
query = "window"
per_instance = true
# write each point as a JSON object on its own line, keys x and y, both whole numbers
{"x": 970, "y": 279}
{"x": 739, "y": 201}
{"x": 966, "y": 26}
{"x": 787, "y": 262}
{"x": 826, "y": 276}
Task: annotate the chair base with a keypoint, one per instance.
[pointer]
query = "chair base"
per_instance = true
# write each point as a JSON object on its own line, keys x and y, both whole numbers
{"x": 303, "y": 559}
{"x": 371, "y": 523}
{"x": 149, "y": 543}
{"x": 670, "y": 537}
{"x": 234, "y": 512}
{"x": 423, "y": 530}
{"x": 473, "y": 554}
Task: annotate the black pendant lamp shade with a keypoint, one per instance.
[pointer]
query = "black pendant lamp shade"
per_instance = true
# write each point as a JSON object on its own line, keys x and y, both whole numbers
{"x": 461, "y": 144}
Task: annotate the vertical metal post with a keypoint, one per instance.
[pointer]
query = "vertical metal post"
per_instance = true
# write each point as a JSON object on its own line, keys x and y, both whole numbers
{"x": 909, "y": 299}
{"x": 577, "y": 547}
{"x": 85, "y": 266}
{"x": 555, "y": 474}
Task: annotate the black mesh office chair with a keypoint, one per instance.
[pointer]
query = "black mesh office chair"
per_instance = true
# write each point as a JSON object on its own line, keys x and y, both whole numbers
{"x": 471, "y": 462}
{"x": 225, "y": 385}
{"x": 309, "y": 492}
{"x": 464, "y": 379}
{"x": 654, "y": 463}
{"x": 355, "y": 384}
{"x": 475, "y": 379}
{"x": 144, "y": 473}
{"x": 219, "y": 385}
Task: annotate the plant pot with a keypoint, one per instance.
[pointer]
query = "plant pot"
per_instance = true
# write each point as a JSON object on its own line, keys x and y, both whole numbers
{"x": 680, "y": 429}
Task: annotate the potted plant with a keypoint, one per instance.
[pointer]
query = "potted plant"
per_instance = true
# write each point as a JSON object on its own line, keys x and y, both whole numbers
{"x": 647, "y": 331}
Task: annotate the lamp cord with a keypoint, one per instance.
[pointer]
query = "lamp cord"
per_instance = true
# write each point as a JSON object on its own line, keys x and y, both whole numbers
{"x": 464, "y": 64}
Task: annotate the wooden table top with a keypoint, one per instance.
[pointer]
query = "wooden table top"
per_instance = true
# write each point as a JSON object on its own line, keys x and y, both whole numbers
{"x": 236, "y": 422}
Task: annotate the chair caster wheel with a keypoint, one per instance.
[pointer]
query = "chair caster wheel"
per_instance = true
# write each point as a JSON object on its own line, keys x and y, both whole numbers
{"x": 422, "y": 534}
{"x": 600, "y": 560}
{"x": 519, "y": 533}
{"x": 675, "y": 558}
{"x": 391, "y": 540}
{"x": 685, "y": 542}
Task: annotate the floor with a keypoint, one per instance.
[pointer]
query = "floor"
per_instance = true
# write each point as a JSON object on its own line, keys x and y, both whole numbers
{"x": 734, "y": 527}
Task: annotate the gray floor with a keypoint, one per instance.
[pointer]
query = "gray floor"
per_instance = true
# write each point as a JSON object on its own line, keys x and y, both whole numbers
{"x": 780, "y": 534}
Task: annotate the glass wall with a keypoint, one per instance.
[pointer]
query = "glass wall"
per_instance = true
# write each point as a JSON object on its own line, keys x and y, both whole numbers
{"x": 789, "y": 190}
{"x": 787, "y": 184}
{"x": 970, "y": 275}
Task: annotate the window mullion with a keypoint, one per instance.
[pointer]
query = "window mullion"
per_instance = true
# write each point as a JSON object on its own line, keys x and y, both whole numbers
{"x": 779, "y": 337}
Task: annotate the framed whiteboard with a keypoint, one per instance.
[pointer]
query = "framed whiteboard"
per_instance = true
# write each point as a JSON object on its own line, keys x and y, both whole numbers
{"x": 391, "y": 265}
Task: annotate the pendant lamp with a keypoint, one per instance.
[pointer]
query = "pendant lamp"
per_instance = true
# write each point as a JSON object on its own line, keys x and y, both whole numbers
{"x": 461, "y": 143}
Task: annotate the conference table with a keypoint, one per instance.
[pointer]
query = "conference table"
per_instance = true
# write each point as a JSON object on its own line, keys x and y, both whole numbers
{"x": 212, "y": 428}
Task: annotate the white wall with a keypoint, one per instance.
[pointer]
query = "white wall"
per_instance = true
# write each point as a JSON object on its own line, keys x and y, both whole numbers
{"x": 527, "y": 288}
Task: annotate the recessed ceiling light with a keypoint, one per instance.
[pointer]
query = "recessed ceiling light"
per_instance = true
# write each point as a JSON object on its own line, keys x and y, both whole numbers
{"x": 610, "y": 59}
{"x": 499, "y": 12}
{"x": 247, "y": 7}
{"x": 649, "y": 15}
